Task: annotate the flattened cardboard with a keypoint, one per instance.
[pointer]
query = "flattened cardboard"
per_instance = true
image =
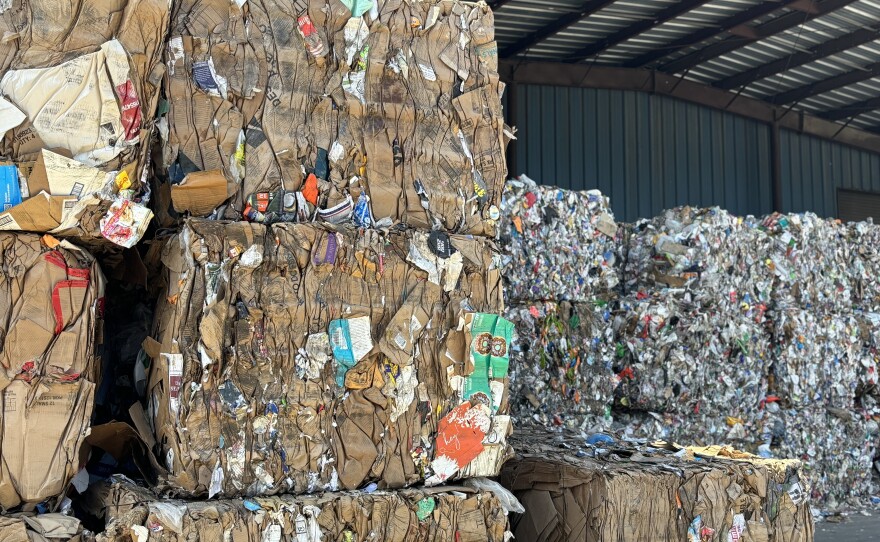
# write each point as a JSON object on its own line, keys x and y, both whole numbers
{"x": 60, "y": 176}
{"x": 199, "y": 193}
{"x": 13, "y": 530}
{"x": 40, "y": 213}
{"x": 73, "y": 106}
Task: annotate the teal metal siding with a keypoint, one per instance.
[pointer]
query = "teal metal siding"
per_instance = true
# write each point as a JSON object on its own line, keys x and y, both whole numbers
{"x": 646, "y": 152}
{"x": 813, "y": 169}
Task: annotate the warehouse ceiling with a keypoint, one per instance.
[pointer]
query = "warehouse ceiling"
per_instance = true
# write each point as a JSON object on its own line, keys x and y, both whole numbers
{"x": 818, "y": 56}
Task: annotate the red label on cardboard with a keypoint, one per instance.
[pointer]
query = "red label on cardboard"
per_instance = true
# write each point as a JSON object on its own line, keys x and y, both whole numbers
{"x": 130, "y": 110}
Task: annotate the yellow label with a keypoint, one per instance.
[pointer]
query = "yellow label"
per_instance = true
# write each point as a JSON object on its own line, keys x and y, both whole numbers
{"x": 122, "y": 180}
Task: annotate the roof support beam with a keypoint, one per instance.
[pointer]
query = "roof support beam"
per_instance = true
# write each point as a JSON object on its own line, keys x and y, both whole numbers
{"x": 823, "y": 50}
{"x": 729, "y": 24}
{"x": 652, "y": 81}
{"x": 807, "y": 6}
{"x": 826, "y": 85}
{"x": 633, "y": 30}
{"x": 770, "y": 28}
{"x": 498, "y": 3}
{"x": 565, "y": 21}
{"x": 853, "y": 110}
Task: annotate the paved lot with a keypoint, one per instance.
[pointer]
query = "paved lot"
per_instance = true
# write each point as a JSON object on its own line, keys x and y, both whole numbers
{"x": 857, "y": 529}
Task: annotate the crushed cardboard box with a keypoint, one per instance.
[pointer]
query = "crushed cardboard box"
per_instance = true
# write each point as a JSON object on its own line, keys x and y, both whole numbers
{"x": 386, "y": 114}
{"x": 295, "y": 358}
{"x": 51, "y": 300}
{"x": 80, "y": 85}
{"x": 615, "y": 491}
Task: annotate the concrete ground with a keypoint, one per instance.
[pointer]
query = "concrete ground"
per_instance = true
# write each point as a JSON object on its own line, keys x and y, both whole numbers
{"x": 857, "y": 528}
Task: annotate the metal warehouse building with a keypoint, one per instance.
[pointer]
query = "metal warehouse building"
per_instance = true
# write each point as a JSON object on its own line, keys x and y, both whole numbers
{"x": 752, "y": 105}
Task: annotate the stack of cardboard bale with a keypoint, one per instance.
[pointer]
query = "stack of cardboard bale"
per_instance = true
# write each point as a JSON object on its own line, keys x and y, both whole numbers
{"x": 79, "y": 83}
{"x": 343, "y": 330}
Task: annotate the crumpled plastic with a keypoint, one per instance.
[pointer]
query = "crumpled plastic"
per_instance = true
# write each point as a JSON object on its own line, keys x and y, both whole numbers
{"x": 716, "y": 320}
{"x": 837, "y": 447}
{"x": 824, "y": 357}
{"x": 558, "y": 244}
{"x": 683, "y": 360}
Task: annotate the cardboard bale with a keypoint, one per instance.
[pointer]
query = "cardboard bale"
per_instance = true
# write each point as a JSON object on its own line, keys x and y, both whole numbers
{"x": 296, "y": 358}
{"x": 620, "y": 491}
{"x": 414, "y": 515}
{"x": 376, "y": 112}
{"x": 51, "y": 299}
{"x": 80, "y": 85}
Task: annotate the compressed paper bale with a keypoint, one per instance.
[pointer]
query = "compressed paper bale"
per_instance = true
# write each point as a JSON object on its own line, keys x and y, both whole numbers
{"x": 837, "y": 447}
{"x": 563, "y": 363}
{"x": 576, "y": 492}
{"x": 686, "y": 360}
{"x": 301, "y": 359}
{"x": 412, "y": 515}
{"x": 824, "y": 358}
{"x": 82, "y": 80}
{"x": 396, "y": 111}
{"x": 51, "y": 301}
{"x": 707, "y": 257}
{"x": 559, "y": 245}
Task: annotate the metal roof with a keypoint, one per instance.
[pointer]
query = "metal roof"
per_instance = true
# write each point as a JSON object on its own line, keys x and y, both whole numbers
{"x": 819, "y": 56}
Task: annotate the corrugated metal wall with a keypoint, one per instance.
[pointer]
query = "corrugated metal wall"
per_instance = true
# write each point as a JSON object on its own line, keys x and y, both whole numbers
{"x": 813, "y": 169}
{"x": 646, "y": 152}
{"x": 649, "y": 153}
